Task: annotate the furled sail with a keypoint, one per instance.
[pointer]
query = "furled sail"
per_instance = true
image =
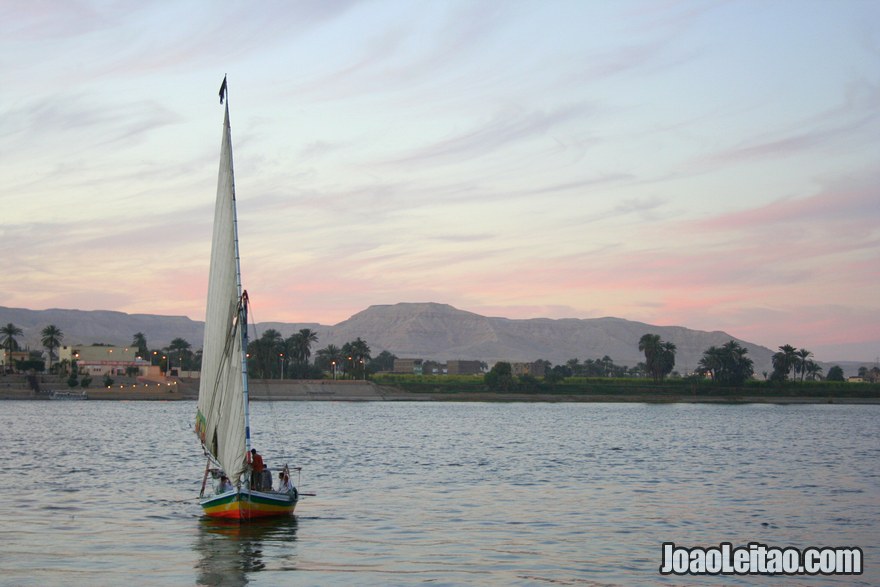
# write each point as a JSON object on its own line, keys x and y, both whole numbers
{"x": 221, "y": 418}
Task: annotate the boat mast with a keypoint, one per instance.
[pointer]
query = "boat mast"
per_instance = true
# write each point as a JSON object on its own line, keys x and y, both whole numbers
{"x": 242, "y": 295}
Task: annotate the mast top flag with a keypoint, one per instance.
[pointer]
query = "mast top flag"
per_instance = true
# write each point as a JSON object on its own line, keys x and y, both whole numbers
{"x": 223, "y": 90}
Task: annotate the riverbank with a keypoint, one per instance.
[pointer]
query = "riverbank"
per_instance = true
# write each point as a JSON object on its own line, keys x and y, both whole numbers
{"x": 358, "y": 391}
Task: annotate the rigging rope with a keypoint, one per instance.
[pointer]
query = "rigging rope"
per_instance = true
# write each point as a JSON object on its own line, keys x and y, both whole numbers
{"x": 268, "y": 390}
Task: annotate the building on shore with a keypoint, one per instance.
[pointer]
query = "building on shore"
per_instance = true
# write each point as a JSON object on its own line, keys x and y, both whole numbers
{"x": 464, "y": 368}
{"x": 104, "y": 360}
{"x": 9, "y": 359}
{"x": 408, "y": 366}
{"x": 536, "y": 369}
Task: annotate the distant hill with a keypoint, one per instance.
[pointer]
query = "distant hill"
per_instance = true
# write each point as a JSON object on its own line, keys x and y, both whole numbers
{"x": 441, "y": 332}
{"x": 101, "y": 326}
{"x": 424, "y": 330}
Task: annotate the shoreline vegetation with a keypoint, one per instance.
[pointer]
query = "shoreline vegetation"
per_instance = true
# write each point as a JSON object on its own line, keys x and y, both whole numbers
{"x": 468, "y": 388}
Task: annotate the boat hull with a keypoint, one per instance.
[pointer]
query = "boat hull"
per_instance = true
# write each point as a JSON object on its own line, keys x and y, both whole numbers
{"x": 245, "y": 505}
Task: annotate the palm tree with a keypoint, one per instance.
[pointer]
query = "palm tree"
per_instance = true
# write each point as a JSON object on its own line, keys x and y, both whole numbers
{"x": 813, "y": 370}
{"x": 783, "y": 362}
{"x": 357, "y": 353}
{"x": 266, "y": 352}
{"x": 182, "y": 348}
{"x": 667, "y": 359}
{"x": 52, "y": 337}
{"x": 800, "y": 365}
{"x": 650, "y": 345}
{"x": 140, "y": 341}
{"x": 329, "y": 357}
{"x": 712, "y": 362}
{"x": 607, "y": 366}
{"x": 728, "y": 364}
{"x": 299, "y": 345}
{"x": 9, "y": 332}
{"x": 739, "y": 365}
{"x": 659, "y": 355}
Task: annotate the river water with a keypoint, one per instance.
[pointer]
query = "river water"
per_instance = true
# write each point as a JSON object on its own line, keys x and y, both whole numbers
{"x": 104, "y": 493}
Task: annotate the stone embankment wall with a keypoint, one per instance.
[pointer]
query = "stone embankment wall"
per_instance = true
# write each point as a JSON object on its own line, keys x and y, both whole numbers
{"x": 188, "y": 389}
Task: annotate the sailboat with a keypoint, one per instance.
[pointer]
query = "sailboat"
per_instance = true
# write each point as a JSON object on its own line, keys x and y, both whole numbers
{"x": 237, "y": 489}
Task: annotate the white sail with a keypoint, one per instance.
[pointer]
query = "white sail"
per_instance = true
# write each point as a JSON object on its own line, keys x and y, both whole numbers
{"x": 221, "y": 421}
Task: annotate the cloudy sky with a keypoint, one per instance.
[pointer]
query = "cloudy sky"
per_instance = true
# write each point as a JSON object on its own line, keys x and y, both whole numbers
{"x": 709, "y": 164}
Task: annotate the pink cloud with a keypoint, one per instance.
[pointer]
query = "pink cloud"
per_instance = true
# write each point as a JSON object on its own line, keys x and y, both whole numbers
{"x": 850, "y": 202}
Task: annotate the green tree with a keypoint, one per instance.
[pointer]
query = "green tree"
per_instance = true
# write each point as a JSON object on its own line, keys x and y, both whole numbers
{"x": 666, "y": 360}
{"x": 659, "y": 355}
{"x": 801, "y": 362}
{"x": 607, "y": 366}
{"x": 728, "y": 364}
{"x": 266, "y": 355}
{"x": 499, "y": 377}
{"x": 73, "y": 378}
{"x": 140, "y": 341}
{"x": 357, "y": 356}
{"x": 783, "y": 363}
{"x": 812, "y": 370}
{"x": 711, "y": 363}
{"x": 180, "y": 350}
{"x": 329, "y": 358}
{"x": 528, "y": 383}
{"x": 650, "y": 345}
{"x": 8, "y": 342}
{"x": 556, "y": 374}
{"x": 835, "y": 373}
{"x": 52, "y": 337}
{"x": 383, "y": 362}
{"x": 299, "y": 345}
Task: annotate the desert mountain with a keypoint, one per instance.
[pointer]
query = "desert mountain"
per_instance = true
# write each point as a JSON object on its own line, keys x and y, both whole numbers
{"x": 441, "y": 332}
{"x": 424, "y": 330}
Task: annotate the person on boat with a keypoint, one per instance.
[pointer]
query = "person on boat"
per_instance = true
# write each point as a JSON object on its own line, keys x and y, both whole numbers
{"x": 284, "y": 485}
{"x": 225, "y": 484}
{"x": 266, "y": 478}
{"x": 256, "y": 469}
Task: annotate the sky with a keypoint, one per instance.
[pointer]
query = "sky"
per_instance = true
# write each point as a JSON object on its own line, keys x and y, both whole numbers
{"x": 707, "y": 164}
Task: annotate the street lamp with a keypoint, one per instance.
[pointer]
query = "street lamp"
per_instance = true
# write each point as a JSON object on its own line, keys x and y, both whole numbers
{"x": 281, "y": 360}
{"x": 363, "y": 370}
{"x": 334, "y": 369}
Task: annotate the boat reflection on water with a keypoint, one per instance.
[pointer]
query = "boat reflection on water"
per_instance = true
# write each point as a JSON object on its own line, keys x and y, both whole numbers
{"x": 230, "y": 552}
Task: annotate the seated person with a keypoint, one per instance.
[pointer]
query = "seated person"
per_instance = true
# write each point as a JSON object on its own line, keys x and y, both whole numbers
{"x": 284, "y": 485}
{"x": 225, "y": 484}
